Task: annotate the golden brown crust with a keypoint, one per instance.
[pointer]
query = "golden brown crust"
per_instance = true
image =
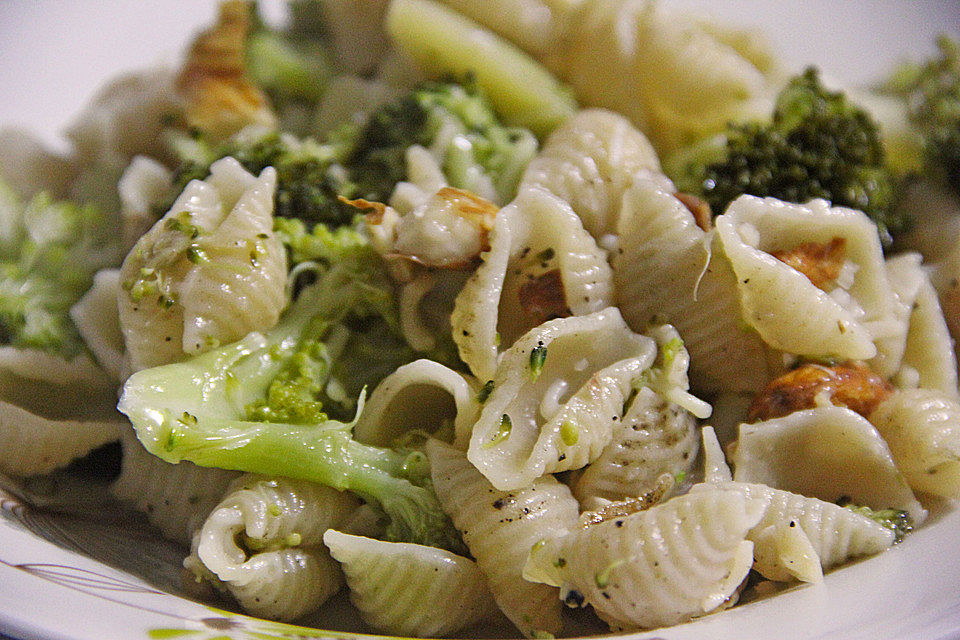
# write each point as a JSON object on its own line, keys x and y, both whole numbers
{"x": 819, "y": 261}
{"x": 699, "y": 208}
{"x": 851, "y": 385}
{"x": 220, "y": 98}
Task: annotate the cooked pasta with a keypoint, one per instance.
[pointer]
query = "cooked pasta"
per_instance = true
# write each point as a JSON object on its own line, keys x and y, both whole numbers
{"x": 52, "y": 410}
{"x": 176, "y": 498}
{"x": 411, "y": 589}
{"x": 667, "y": 269}
{"x": 826, "y": 453}
{"x": 264, "y": 542}
{"x": 668, "y": 564}
{"x": 207, "y": 273}
{"x": 589, "y": 161}
{"x": 542, "y": 264}
{"x": 556, "y": 397}
{"x": 922, "y": 428}
{"x": 427, "y": 302}
{"x": 500, "y": 527}
{"x": 654, "y": 437}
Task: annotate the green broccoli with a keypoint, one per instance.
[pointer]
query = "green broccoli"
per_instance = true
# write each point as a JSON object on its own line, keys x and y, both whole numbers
{"x": 455, "y": 119}
{"x": 932, "y": 94}
{"x": 309, "y": 174}
{"x": 263, "y": 405}
{"x": 894, "y": 519}
{"x": 817, "y": 145}
{"x": 367, "y": 161}
{"x": 49, "y": 254}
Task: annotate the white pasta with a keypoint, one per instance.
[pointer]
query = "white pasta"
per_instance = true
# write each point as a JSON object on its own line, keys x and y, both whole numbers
{"x": 410, "y": 589}
{"x": 667, "y": 269}
{"x": 668, "y": 75}
{"x": 537, "y": 26}
{"x": 675, "y": 561}
{"x": 500, "y": 527}
{"x": 421, "y": 395}
{"x": 589, "y": 161}
{"x": 31, "y": 444}
{"x": 792, "y": 523}
{"x": 472, "y": 286}
{"x": 144, "y": 183}
{"x": 541, "y": 264}
{"x": 653, "y": 437}
{"x": 52, "y": 410}
{"x": 826, "y": 453}
{"x": 97, "y": 320}
{"x": 922, "y": 428}
{"x": 176, "y": 498}
{"x": 905, "y": 276}
{"x": 125, "y": 118}
{"x": 264, "y": 542}
{"x": 928, "y": 348}
{"x": 788, "y": 311}
{"x": 207, "y": 273}
{"x": 557, "y": 395}
{"x": 28, "y": 167}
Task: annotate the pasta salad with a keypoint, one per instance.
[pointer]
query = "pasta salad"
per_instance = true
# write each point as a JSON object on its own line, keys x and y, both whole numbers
{"x": 484, "y": 312}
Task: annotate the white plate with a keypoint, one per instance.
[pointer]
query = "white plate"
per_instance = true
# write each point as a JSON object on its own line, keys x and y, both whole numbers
{"x": 59, "y": 575}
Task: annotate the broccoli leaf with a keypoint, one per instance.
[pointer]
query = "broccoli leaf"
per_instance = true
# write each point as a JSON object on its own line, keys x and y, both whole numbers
{"x": 262, "y": 405}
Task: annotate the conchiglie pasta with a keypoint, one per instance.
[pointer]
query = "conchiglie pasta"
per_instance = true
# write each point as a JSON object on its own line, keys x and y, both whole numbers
{"x": 144, "y": 184}
{"x": 653, "y": 437}
{"x": 930, "y": 350}
{"x": 536, "y": 26}
{"x": 409, "y": 589}
{"x": 264, "y": 543}
{"x": 826, "y": 453}
{"x": 176, "y": 498}
{"x": 922, "y": 427}
{"x": 52, "y": 410}
{"x": 542, "y": 264}
{"x": 209, "y": 272}
{"x": 556, "y": 397}
{"x": 673, "y": 79}
{"x": 421, "y": 395}
{"x": 792, "y": 314}
{"x": 667, "y": 269}
{"x": 500, "y": 528}
{"x": 791, "y": 524}
{"x": 589, "y": 161}
{"x": 675, "y": 561}
{"x": 97, "y": 320}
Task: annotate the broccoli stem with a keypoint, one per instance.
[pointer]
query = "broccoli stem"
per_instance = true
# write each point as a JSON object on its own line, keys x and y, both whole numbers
{"x": 444, "y": 43}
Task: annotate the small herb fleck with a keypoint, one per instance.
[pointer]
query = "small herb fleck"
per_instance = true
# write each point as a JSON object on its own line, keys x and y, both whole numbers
{"x": 502, "y": 433}
{"x": 538, "y": 356}
{"x": 569, "y": 433}
{"x": 485, "y": 391}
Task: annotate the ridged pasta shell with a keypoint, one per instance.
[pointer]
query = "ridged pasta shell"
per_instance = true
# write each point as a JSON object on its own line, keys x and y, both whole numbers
{"x": 500, "y": 528}
{"x": 409, "y": 589}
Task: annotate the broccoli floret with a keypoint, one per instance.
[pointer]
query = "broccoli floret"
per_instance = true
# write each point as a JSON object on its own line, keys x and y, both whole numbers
{"x": 263, "y": 405}
{"x": 894, "y": 519}
{"x": 309, "y": 174}
{"x": 817, "y": 145}
{"x": 479, "y": 154}
{"x": 48, "y": 256}
{"x": 932, "y": 93}
{"x": 453, "y": 119}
